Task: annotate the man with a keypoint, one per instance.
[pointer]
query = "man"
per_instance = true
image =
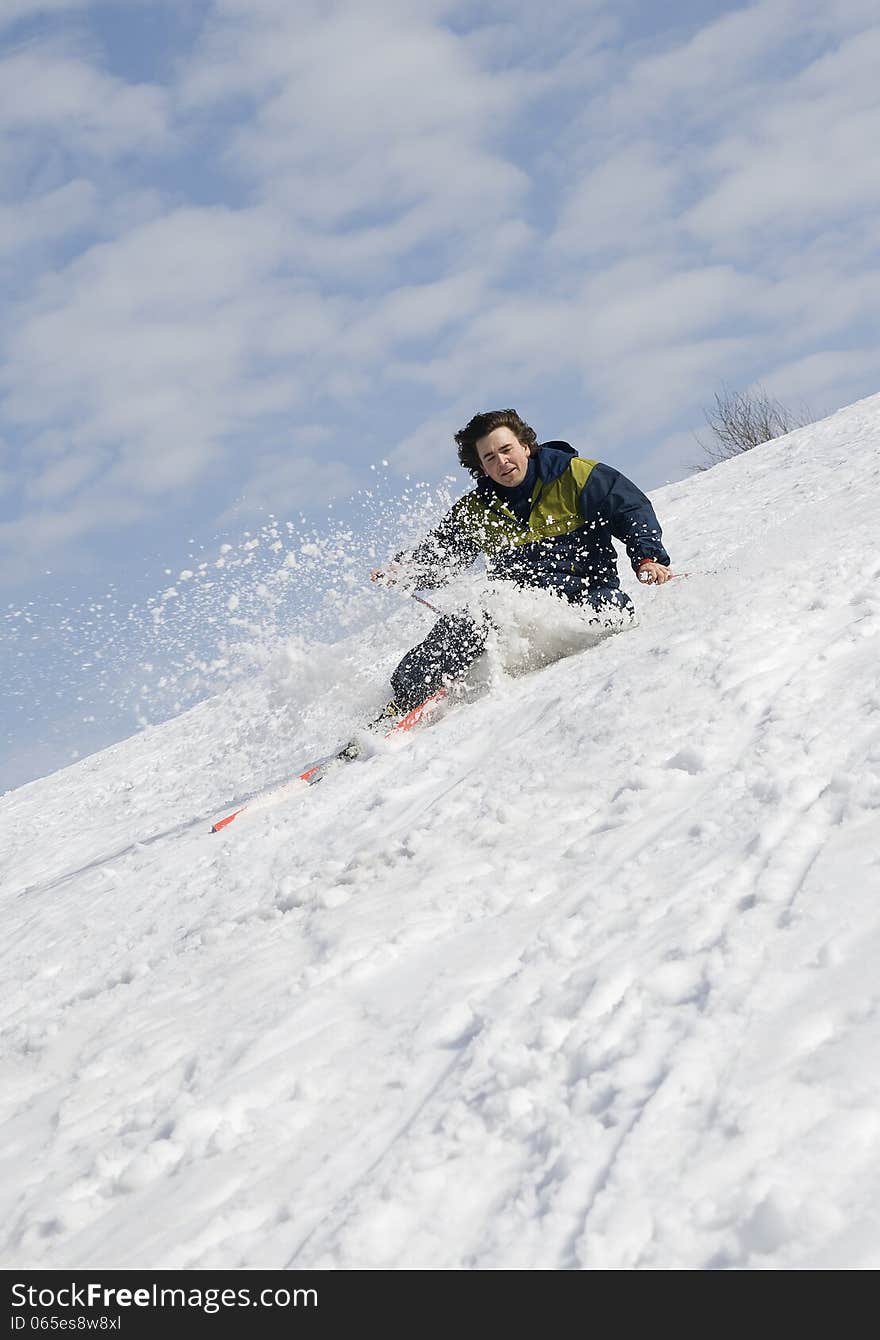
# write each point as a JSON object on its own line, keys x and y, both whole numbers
{"x": 543, "y": 517}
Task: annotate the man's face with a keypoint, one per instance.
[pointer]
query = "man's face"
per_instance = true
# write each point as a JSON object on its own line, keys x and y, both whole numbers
{"x": 503, "y": 457}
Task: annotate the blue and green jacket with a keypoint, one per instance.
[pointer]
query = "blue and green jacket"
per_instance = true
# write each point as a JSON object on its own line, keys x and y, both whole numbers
{"x": 554, "y": 530}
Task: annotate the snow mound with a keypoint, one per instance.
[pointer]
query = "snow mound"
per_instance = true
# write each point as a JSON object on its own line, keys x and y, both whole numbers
{"x": 581, "y": 976}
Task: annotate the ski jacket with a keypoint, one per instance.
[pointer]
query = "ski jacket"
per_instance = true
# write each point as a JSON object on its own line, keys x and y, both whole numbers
{"x": 576, "y": 506}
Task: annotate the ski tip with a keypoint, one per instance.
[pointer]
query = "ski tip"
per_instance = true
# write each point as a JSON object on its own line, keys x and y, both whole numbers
{"x": 221, "y": 823}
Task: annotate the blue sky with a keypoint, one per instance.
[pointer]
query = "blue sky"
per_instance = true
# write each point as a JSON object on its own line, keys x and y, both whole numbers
{"x": 250, "y": 248}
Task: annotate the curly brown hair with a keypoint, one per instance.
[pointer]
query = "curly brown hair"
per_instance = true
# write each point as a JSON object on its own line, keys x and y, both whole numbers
{"x": 483, "y": 424}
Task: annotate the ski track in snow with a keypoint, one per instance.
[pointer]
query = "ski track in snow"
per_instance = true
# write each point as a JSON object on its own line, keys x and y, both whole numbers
{"x": 581, "y": 976}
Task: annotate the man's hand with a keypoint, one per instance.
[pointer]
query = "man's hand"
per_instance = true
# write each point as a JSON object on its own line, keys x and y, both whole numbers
{"x": 387, "y": 576}
{"x": 653, "y": 573}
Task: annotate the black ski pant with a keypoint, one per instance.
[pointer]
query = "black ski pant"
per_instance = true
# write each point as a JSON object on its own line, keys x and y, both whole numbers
{"x": 447, "y": 653}
{"x": 456, "y": 640}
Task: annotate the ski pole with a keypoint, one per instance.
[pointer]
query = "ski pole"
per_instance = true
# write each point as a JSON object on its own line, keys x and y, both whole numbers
{"x": 379, "y": 574}
{"x": 427, "y": 604}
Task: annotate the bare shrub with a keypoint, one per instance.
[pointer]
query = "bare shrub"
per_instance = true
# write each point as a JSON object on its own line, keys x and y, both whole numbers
{"x": 741, "y": 420}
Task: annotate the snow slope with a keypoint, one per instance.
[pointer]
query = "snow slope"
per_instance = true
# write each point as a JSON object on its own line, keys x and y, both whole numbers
{"x": 582, "y": 976}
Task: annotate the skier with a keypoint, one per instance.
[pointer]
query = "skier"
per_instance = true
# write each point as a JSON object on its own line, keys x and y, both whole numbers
{"x": 543, "y": 517}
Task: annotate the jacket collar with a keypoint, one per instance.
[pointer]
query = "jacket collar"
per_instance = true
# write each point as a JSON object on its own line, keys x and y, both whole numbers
{"x": 554, "y": 459}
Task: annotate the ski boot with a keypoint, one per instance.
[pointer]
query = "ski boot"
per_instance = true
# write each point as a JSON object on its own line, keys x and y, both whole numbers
{"x": 387, "y": 717}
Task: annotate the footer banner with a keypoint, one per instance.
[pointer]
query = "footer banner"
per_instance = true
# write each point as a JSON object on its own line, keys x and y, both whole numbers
{"x": 196, "y": 1303}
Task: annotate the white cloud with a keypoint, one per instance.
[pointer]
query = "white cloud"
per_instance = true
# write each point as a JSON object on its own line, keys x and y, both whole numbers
{"x": 817, "y": 294}
{"x": 148, "y": 345}
{"x": 37, "y": 536}
{"x": 645, "y": 392}
{"x": 727, "y": 177}
{"x": 70, "y": 208}
{"x": 415, "y": 312}
{"x": 676, "y": 454}
{"x": 433, "y": 440}
{"x": 825, "y": 380}
{"x": 625, "y": 201}
{"x": 43, "y": 89}
{"x": 15, "y": 10}
{"x": 182, "y": 330}
{"x": 644, "y": 341}
{"x": 511, "y": 339}
{"x": 288, "y": 480}
{"x": 712, "y": 75}
{"x": 772, "y": 111}
{"x": 447, "y": 203}
{"x": 162, "y": 342}
{"x": 633, "y": 306}
{"x": 368, "y": 111}
{"x": 59, "y": 478}
{"x": 801, "y": 156}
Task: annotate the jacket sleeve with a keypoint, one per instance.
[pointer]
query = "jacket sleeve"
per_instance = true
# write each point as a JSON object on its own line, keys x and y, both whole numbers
{"x": 445, "y": 551}
{"x": 609, "y": 498}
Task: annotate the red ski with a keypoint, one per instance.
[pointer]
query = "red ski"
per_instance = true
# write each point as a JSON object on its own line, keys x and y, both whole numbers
{"x": 315, "y": 771}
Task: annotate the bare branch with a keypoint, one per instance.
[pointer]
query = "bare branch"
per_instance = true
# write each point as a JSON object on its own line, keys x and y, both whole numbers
{"x": 742, "y": 420}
